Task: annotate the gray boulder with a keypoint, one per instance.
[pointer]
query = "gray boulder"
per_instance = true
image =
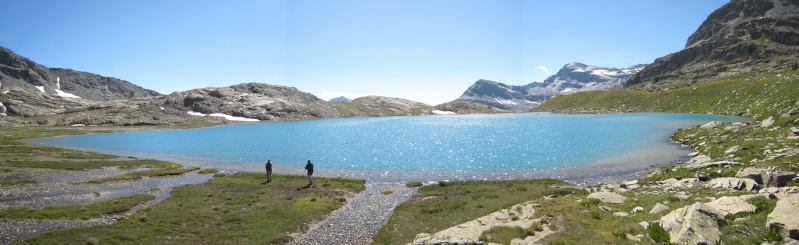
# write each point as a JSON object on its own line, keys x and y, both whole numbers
{"x": 608, "y": 197}
{"x": 696, "y": 165}
{"x": 795, "y": 130}
{"x": 773, "y": 177}
{"x": 783, "y": 217}
{"x": 731, "y": 205}
{"x": 751, "y": 173}
{"x": 695, "y": 224}
{"x": 658, "y": 208}
{"x": 712, "y": 124}
{"x": 768, "y": 122}
{"x": 734, "y": 183}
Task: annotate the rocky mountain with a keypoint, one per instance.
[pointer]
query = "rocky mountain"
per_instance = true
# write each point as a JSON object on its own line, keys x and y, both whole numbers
{"x": 21, "y": 74}
{"x": 573, "y": 77}
{"x": 741, "y": 37}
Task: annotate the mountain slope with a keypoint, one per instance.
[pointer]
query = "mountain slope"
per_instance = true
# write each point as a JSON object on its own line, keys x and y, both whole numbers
{"x": 573, "y": 77}
{"x": 740, "y": 37}
{"x": 17, "y": 72}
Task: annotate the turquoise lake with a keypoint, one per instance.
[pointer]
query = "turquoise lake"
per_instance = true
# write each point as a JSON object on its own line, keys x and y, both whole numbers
{"x": 420, "y": 148}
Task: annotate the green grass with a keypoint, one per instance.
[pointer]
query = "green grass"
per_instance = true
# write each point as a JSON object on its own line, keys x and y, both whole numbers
{"x": 753, "y": 95}
{"x": 414, "y": 184}
{"x": 208, "y": 171}
{"x": 96, "y": 210}
{"x": 437, "y": 207}
{"x": 505, "y": 234}
{"x": 234, "y": 209}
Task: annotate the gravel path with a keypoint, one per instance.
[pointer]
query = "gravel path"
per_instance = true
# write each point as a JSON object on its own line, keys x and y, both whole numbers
{"x": 63, "y": 187}
{"x": 361, "y": 218}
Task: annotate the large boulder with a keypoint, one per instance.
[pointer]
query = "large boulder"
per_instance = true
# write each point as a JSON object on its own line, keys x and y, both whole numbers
{"x": 731, "y": 205}
{"x": 783, "y": 217}
{"x": 751, "y": 173}
{"x": 695, "y": 224}
{"x": 608, "y": 197}
{"x": 773, "y": 177}
{"x": 733, "y": 183}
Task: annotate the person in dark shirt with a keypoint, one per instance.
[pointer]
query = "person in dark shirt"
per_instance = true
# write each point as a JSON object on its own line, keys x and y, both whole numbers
{"x": 268, "y": 170}
{"x": 309, "y": 168}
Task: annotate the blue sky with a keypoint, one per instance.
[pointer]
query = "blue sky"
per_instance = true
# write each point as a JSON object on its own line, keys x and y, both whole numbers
{"x": 424, "y": 50}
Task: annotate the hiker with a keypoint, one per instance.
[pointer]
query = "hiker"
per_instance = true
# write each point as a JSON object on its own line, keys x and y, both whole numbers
{"x": 309, "y": 168}
{"x": 268, "y": 170}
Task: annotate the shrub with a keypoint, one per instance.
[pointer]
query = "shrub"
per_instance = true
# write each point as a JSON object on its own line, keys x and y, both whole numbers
{"x": 658, "y": 234}
{"x": 443, "y": 183}
{"x": 771, "y": 236}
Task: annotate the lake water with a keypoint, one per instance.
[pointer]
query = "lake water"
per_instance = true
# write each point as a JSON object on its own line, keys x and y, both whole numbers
{"x": 420, "y": 148}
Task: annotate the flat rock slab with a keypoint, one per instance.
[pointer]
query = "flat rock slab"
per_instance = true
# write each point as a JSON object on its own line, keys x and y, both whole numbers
{"x": 608, "y": 197}
{"x": 731, "y": 205}
{"x": 783, "y": 217}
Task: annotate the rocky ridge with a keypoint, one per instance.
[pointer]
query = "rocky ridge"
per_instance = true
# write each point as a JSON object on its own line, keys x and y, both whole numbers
{"x": 741, "y": 37}
{"x": 573, "y": 77}
{"x": 21, "y": 74}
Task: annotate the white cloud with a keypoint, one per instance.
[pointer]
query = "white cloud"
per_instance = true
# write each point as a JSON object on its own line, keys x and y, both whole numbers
{"x": 329, "y": 95}
{"x": 542, "y": 68}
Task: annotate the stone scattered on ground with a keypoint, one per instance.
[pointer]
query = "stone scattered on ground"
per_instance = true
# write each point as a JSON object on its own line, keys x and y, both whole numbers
{"x": 695, "y": 224}
{"x": 767, "y": 123}
{"x": 783, "y": 217}
{"x": 727, "y": 205}
{"x": 608, "y": 197}
{"x": 659, "y": 208}
{"x": 360, "y": 219}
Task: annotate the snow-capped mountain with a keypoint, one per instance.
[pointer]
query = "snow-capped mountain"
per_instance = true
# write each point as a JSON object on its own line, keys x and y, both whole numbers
{"x": 573, "y": 77}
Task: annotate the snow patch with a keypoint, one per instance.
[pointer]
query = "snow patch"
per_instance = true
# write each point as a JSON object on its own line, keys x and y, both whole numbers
{"x": 162, "y": 108}
{"x": 438, "y": 112}
{"x": 6, "y": 92}
{"x": 40, "y": 88}
{"x": 228, "y": 117}
{"x": 58, "y": 82}
{"x": 65, "y": 94}
{"x": 531, "y": 102}
{"x": 504, "y": 102}
{"x": 568, "y": 90}
{"x": 234, "y": 118}
{"x": 4, "y": 108}
{"x": 604, "y": 73}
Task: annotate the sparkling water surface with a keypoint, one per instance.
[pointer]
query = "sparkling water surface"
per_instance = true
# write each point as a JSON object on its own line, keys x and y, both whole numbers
{"x": 420, "y": 148}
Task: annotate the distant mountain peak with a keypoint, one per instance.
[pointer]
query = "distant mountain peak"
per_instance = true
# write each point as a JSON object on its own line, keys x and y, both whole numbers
{"x": 573, "y": 77}
{"x": 339, "y": 99}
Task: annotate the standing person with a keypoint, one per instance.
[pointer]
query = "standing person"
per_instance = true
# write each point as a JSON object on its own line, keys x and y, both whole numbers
{"x": 268, "y": 170}
{"x": 309, "y": 168}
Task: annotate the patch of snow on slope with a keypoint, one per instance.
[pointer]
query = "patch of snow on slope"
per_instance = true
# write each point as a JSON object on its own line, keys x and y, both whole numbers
{"x": 604, "y": 73}
{"x": 504, "y": 102}
{"x": 234, "y": 118}
{"x": 228, "y": 117}
{"x": 65, "y": 94}
{"x": 438, "y": 112}
{"x": 40, "y": 88}
{"x": 568, "y": 90}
